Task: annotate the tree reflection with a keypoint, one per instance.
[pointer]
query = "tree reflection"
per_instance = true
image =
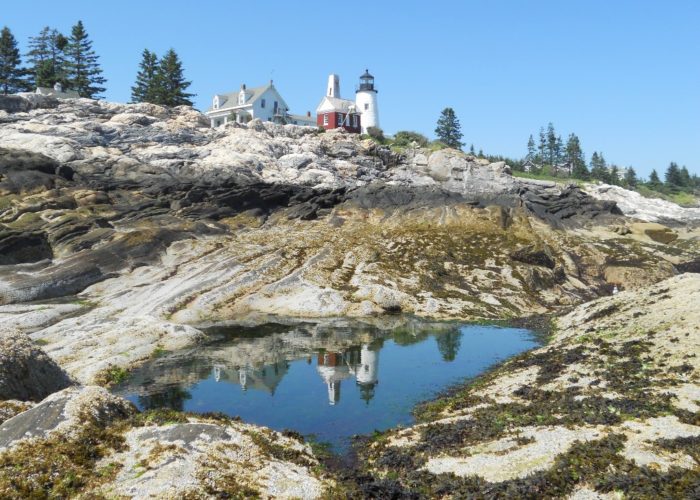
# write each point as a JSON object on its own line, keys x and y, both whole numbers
{"x": 448, "y": 344}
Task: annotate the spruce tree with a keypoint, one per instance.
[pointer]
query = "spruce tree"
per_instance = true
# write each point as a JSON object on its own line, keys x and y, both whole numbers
{"x": 630, "y": 177}
{"x": 47, "y": 59}
{"x": 575, "y": 158}
{"x": 170, "y": 83}
{"x": 542, "y": 147}
{"x": 448, "y": 129}
{"x": 12, "y": 76}
{"x": 84, "y": 73}
{"x": 654, "y": 181}
{"x": 144, "y": 88}
{"x": 614, "y": 175}
{"x": 685, "y": 179}
{"x": 598, "y": 167}
{"x": 551, "y": 144}
{"x": 531, "y": 151}
{"x": 673, "y": 176}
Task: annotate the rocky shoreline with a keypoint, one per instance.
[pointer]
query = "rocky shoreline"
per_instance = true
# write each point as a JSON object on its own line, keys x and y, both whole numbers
{"x": 123, "y": 227}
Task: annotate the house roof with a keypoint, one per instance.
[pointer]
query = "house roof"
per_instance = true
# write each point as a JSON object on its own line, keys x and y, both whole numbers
{"x": 329, "y": 103}
{"x": 253, "y": 94}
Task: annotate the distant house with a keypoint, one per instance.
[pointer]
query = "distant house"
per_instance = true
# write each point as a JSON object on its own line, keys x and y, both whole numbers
{"x": 335, "y": 112}
{"x": 264, "y": 103}
{"x": 58, "y": 92}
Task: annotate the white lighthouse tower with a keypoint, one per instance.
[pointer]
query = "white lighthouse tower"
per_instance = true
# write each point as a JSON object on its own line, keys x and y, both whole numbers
{"x": 366, "y": 102}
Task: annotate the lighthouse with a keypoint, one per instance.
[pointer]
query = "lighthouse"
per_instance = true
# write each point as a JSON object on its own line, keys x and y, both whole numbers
{"x": 366, "y": 102}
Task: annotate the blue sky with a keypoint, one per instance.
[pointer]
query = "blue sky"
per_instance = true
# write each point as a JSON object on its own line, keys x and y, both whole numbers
{"x": 623, "y": 75}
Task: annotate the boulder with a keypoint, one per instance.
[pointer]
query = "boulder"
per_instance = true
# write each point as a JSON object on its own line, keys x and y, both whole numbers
{"x": 534, "y": 255}
{"x": 26, "y": 371}
{"x": 654, "y": 231}
{"x": 64, "y": 412}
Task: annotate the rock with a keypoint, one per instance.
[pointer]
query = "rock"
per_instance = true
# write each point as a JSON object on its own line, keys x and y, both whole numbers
{"x": 654, "y": 231}
{"x": 20, "y": 248}
{"x": 535, "y": 255}
{"x": 26, "y": 372}
{"x": 65, "y": 412}
{"x": 200, "y": 457}
{"x": 635, "y": 205}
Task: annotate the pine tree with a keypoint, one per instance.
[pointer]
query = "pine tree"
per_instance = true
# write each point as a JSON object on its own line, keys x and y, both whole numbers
{"x": 551, "y": 144}
{"x": 542, "y": 147}
{"x": 598, "y": 167}
{"x": 673, "y": 176}
{"x": 169, "y": 82}
{"x": 84, "y": 73}
{"x": 47, "y": 59}
{"x": 654, "y": 181}
{"x": 685, "y": 179}
{"x": 471, "y": 150}
{"x": 614, "y": 175}
{"x": 448, "y": 129}
{"x": 144, "y": 88}
{"x": 630, "y": 177}
{"x": 575, "y": 158}
{"x": 12, "y": 76}
{"x": 531, "y": 151}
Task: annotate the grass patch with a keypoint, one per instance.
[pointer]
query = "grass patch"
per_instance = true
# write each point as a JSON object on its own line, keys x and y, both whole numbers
{"x": 111, "y": 376}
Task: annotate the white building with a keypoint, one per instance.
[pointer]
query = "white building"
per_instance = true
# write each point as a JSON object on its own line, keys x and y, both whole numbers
{"x": 366, "y": 102}
{"x": 58, "y": 92}
{"x": 264, "y": 103}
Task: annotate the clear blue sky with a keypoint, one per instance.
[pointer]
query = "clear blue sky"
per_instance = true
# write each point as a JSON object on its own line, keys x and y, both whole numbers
{"x": 623, "y": 75}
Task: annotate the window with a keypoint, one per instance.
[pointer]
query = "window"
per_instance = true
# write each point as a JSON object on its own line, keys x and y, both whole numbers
{"x": 354, "y": 121}
{"x": 262, "y": 103}
{"x": 366, "y": 106}
{"x": 275, "y": 107}
{"x": 325, "y": 119}
{"x": 340, "y": 119}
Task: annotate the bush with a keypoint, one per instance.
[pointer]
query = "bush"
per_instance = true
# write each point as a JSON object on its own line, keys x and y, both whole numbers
{"x": 407, "y": 138}
{"x": 376, "y": 133}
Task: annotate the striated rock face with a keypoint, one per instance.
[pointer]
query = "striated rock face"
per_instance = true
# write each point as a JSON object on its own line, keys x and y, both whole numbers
{"x": 613, "y": 399}
{"x": 26, "y": 372}
{"x": 635, "y": 205}
{"x": 160, "y": 223}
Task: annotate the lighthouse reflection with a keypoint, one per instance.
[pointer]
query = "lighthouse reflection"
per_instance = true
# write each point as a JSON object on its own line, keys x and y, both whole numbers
{"x": 258, "y": 359}
{"x": 332, "y": 379}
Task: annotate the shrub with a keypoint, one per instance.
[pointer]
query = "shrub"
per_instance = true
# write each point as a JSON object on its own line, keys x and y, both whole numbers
{"x": 406, "y": 138}
{"x": 376, "y": 133}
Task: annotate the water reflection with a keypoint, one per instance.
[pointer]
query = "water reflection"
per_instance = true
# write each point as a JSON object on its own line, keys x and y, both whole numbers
{"x": 300, "y": 375}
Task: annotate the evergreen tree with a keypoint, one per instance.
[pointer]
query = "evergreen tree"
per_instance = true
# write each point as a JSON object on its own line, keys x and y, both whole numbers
{"x": 169, "y": 82}
{"x": 673, "y": 176}
{"x": 12, "y": 76}
{"x": 598, "y": 167}
{"x": 84, "y": 73}
{"x": 575, "y": 158}
{"x": 614, "y": 175}
{"x": 559, "y": 155}
{"x": 551, "y": 144}
{"x": 471, "y": 150}
{"x": 47, "y": 59}
{"x": 542, "y": 147}
{"x": 144, "y": 89}
{"x": 531, "y": 152}
{"x": 685, "y": 179}
{"x": 448, "y": 129}
{"x": 630, "y": 177}
{"x": 654, "y": 181}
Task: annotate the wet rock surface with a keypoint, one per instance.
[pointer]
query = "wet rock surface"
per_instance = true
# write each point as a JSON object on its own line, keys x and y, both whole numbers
{"x": 26, "y": 372}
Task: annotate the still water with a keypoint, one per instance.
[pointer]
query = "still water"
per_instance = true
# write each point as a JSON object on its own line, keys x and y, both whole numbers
{"x": 328, "y": 380}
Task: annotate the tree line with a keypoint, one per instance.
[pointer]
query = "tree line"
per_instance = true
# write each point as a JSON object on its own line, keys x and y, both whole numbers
{"x": 550, "y": 156}
{"x": 72, "y": 62}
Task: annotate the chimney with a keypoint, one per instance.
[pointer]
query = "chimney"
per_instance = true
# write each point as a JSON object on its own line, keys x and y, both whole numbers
{"x": 308, "y": 113}
{"x": 242, "y": 86}
{"x": 333, "y": 86}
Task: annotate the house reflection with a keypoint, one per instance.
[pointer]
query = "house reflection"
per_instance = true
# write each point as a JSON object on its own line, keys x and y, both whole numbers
{"x": 362, "y": 363}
